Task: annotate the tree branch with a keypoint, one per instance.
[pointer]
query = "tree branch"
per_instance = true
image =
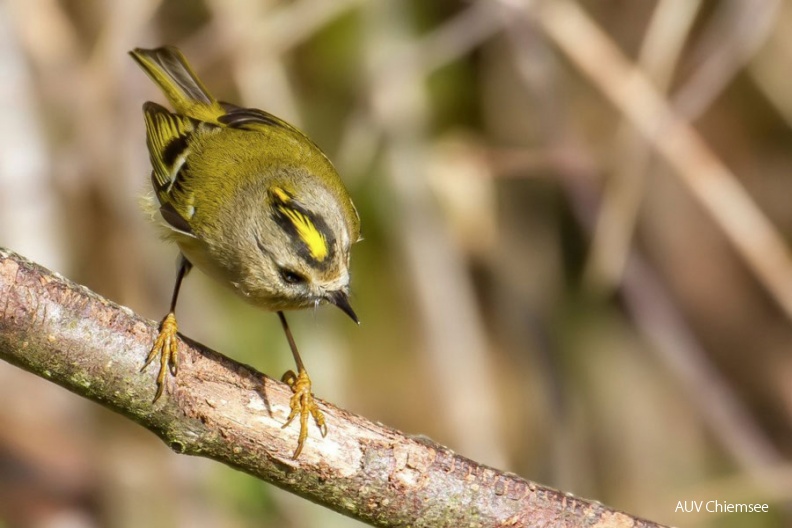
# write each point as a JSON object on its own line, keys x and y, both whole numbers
{"x": 221, "y": 409}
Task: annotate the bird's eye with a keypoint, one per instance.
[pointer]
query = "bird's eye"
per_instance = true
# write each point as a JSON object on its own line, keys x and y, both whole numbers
{"x": 292, "y": 277}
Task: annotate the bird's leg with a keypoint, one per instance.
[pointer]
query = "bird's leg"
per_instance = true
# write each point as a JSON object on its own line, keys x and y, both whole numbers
{"x": 302, "y": 401}
{"x": 166, "y": 344}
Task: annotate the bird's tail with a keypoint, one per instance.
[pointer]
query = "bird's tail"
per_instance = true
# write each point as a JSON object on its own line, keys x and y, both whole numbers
{"x": 168, "y": 68}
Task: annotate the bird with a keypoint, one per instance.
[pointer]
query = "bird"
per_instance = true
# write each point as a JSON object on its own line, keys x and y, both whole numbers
{"x": 252, "y": 202}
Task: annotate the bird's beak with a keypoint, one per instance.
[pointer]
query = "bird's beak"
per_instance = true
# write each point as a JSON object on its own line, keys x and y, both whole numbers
{"x": 341, "y": 299}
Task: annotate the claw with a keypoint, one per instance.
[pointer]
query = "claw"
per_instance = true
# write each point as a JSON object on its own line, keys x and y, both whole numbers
{"x": 302, "y": 402}
{"x": 166, "y": 347}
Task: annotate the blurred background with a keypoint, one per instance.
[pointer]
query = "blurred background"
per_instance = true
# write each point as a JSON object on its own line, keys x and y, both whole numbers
{"x": 575, "y": 267}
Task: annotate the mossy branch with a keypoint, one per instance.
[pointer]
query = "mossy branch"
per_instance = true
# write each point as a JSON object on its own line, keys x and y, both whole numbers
{"x": 221, "y": 409}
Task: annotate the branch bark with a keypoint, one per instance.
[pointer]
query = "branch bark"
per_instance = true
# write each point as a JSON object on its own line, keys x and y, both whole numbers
{"x": 220, "y": 409}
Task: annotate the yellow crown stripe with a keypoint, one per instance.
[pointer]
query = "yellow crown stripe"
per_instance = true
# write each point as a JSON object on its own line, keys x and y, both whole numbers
{"x": 282, "y": 195}
{"x": 308, "y": 233}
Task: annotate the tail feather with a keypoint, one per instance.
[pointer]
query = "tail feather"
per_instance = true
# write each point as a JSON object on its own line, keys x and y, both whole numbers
{"x": 168, "y": 68}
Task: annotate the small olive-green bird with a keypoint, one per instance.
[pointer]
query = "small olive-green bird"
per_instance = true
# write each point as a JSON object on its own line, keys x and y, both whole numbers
{"x": 252, "y": 202}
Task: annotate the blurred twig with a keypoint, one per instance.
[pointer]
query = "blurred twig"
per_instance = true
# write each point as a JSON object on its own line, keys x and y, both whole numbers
{"x": 679, "y": 350}
{"x": 259, "y": 71}
{"x": 708, "y": 179}
{"x": 730, "y": 41}
{"x": 261, "y": 34}
{"x": 423, "y": 56}
{"x": 623, "y": 191}
{"x": 455, "y": 335}
{"x": 450, "y": 41}
{"x": 223, "y": 410}
{"x": 24, "y": 170}
{"x": 655, "y": 314}
{"x": 771, "y": 79}
{"x": 737, "y": 32}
